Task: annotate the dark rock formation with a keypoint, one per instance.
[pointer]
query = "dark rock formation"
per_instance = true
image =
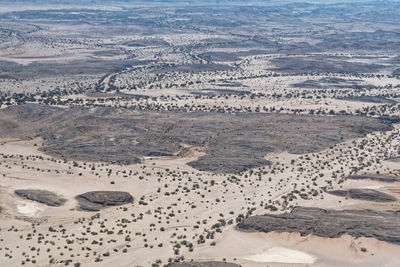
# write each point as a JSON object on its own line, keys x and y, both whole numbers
{"x": 42, "y": 196}
{"x": 364, "y": 194}
{"x": 203, "y": 264}
{"x": 334, "y": 82}
{"x": 382, "y": 225}
{"x": 396, "y": 159}
{"x": 321, "y": 64}
{"x": 233, "y": 142}
{"x": 96, "y": 200}
{"x": 385, "y": 179}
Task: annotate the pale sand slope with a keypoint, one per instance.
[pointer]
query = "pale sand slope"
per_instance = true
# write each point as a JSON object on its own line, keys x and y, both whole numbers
{"x": 281, "y": 249}
{"x": 281, "y": 255}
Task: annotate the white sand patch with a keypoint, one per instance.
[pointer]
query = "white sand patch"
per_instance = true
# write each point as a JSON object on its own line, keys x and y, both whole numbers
{"x": 371, "y": 187}
{"x": 28, "y": 209}
{"x": 282, "y": 255}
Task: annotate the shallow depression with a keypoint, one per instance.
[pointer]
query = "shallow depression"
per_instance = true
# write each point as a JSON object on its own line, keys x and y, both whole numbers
{"x": 28, "y": 209}
{"x": 282, "y": 255}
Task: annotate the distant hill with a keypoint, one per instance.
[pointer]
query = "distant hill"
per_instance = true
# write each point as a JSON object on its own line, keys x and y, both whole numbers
{"x": 83, "y": 2}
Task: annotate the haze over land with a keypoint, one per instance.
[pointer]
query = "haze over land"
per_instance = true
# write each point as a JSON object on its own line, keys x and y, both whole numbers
{"x": 199, "y": 133}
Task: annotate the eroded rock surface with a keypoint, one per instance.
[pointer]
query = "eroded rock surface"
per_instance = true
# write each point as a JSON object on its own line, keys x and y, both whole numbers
{"x": 364, "y": 194}
{"x": 386, "y": 179}
{"x": 46, "y": 197}
{"x": 96, "y": 200}
{"x": 232, "y": 142}
{"x": 382, "y": 225}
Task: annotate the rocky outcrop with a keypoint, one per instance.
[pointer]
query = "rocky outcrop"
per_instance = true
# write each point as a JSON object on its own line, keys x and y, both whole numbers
{"x": 232, "y": 143}
{"x": 97, "y": 200}
{"x": 364, "y": 194}
{"x": 386, "y": 179}
{"x": 382, "y": 225}
{"x": 46, "y": 197}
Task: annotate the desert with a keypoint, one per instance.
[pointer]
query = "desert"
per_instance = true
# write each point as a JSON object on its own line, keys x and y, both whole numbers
{"x": 199, "y": 133}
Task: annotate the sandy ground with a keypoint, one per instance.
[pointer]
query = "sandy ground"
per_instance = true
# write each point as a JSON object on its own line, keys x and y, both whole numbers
{"x": 182, "y": 202}
{"x": 177, "y": 210}
{"x": 283, "y": 249}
